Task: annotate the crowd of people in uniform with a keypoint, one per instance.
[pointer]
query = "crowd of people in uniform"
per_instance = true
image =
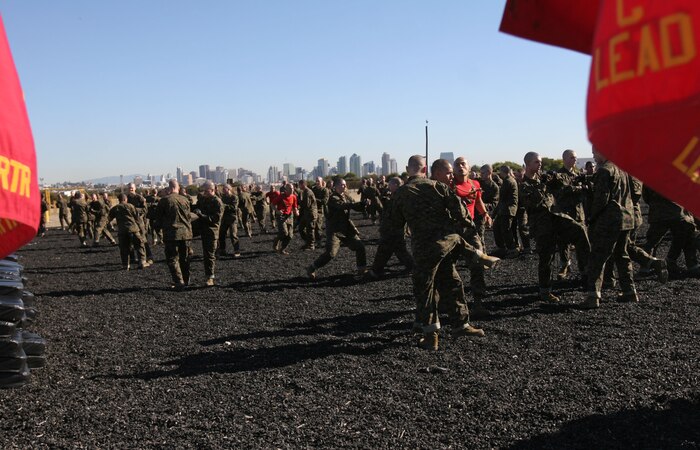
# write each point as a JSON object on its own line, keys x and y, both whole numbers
{"x": 594, "y": 214}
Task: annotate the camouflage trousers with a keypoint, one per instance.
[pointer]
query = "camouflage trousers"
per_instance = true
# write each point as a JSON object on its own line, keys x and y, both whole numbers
{"x": 285, "y": 232}
{"x": 228, "y": 229}
{"x": 503, "y": 232}
{"x": 565, "y": 231}
{"x": 307, "y": 229}
{"x": 177, "y": 255}
{"x": 388, "y": 246}
{"x": 609, "y": 247}
{"x": 682, "y": 235}
{"x": 209, "y": 244}
{"x": 333, "y": 241}
{"x": 101, "y": 230}
{"x": 127, "y": 242}
{"x": 436, "y": 280}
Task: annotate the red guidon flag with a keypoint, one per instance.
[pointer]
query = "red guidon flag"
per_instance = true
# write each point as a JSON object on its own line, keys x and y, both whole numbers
{"x": 644, "y": 89}
{"x": 644, "y": 93}
{"x": 19, "y": 192}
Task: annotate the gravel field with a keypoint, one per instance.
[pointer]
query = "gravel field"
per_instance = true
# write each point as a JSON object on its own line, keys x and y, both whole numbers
{"x": 268, "y": 359}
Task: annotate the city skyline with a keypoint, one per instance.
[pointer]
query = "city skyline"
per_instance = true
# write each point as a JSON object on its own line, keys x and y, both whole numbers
{"x": 266, "y": 83}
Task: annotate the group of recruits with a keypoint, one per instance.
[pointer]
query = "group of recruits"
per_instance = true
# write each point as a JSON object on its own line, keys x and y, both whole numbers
{"x": 597, "y": 213}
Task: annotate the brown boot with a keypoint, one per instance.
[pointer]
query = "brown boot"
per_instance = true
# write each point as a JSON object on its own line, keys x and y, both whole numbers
{"x": 468, "y": 330}
{"x": 548, "y": 297}
{"x": 429, "y": 341}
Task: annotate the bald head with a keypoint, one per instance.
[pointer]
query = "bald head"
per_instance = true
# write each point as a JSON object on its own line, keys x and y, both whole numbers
{"x": 441, "y": 171}
{"x": 416, "y": 165}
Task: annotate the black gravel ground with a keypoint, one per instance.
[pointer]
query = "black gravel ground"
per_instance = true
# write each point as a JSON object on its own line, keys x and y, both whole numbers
{"x": 268, "y": 359}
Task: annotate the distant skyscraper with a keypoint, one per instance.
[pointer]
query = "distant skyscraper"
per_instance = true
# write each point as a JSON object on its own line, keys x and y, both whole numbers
{"x": 356, "y": 164}
{"x": 193, "y": 176}
{"x": 368, "y": 168}
{"x": 204, "y": 171}
{"x": 188, "y": 179}
{"x": 448, "y": 156}
{"x": 288, "y": 169}
{"x": 342, "y": 165}
{"x": 273, "y": 175}
{"x": 393, "y": 167}
{"x": 386, "y": 164}
{"x": 322, "y": 167}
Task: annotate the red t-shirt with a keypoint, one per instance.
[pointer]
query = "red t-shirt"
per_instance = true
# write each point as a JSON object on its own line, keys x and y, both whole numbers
{"x": 469, "y": 190}
{"x": 286, "y": 204}
{"x": 272, "y": 196}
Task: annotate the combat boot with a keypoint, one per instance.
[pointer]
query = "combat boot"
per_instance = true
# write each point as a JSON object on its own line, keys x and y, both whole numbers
{"x": 564, "y": 271}
{"x": 591, "y": 302}
{"x": 467, "y": 330}
{"x": 550, "y": 298}
{"x": 489, "y": 262}
{"x": 429, "y": 341}
{"x": 210, "y": 282}
{"x": 311, "y": 272}
{"x": 628, "y": 297}
{"x": 660, "y": 269}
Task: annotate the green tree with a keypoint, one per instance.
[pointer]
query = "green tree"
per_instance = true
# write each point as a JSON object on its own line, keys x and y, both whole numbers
{"x": 551, "y": 164}
{"x": 511, "y": 164}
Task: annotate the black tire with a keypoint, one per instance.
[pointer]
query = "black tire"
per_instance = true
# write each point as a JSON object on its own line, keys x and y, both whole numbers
{"x": 33, "y": 344}
{"x": 11, "y": 307}
{"x": 15, "y": 364}
{"x": 36, "y": 362}
{"x": 10, "y": 380}
{"x": 7, "y": 329}
{"x": 12, "y": 346}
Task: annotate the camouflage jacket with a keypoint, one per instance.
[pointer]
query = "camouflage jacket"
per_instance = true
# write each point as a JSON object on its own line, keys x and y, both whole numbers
{"x": 611, "y": 207}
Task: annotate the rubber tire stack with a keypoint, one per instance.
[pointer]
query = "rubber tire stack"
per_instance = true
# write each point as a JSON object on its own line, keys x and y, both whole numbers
{"x": 20, "y": 350}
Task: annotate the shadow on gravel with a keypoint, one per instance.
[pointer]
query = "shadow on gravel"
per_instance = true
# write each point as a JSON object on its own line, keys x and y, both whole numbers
{"x": 336, "y": 326}
{"x": 364, "y": 328}
{"x": 88, "y": 292}
{"x": 677, "y": 426}
{"x": 294, "y": 283}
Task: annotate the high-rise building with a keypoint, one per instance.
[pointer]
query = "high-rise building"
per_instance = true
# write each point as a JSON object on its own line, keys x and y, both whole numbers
{"x": 393, "y": 166}
{"x": 300, "y": 174}
{"x": 448, "y": 156}
{"x": 386, "y": 164}
{"x": 356, "y": 164}
{"x": 342, "y": 165}
{"x": 322, "y": 167}
{"x": 188, "y": 179}
{"x": 273, "y": 175}
{"x": 368, "y": 168}
{"x": 193, "y": 176}
{"x": 288, "y": 169}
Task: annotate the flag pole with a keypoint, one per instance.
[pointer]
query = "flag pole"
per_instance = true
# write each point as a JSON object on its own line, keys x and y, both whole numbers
{"x": 427, "y": 164}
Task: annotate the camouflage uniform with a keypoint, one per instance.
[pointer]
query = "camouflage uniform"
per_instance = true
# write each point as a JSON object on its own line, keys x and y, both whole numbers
{"x": 322, "y": 194}
{"x": 229, "y": 224}
{"x": 391, "y": 241}
{"x": 260, "y": 208}
{"x": 505, "y": 213}
{"x": 372, "y": 194}
{"x": 434, "y": 213}
{"x": 79, "y": 210}
{"x": 139, "y": 203}
{"x": 101, "y": 209}
{"x": 665, "y": 216}
{"x": 637, "y": 253}
{"x": 611, "y": 220}
{"x": 128, "y": 232}
{"x": 173, "y": 216}
{"x": 245, "y": 206}
{"x": 569, "y": 194}
{"x": 550, "y": 225}
{"x": 308, "y": 215}
{"x": 490, "y": 193}
{"x": 340, "y": 229}
{"x": 209, "y": 210}
{"x": 62, "y": 212}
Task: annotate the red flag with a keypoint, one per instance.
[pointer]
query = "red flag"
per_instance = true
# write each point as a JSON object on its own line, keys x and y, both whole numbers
{"x": 644, "y": 93}
{"x": 568, "y": 23}
{"x": 19, "y": 192}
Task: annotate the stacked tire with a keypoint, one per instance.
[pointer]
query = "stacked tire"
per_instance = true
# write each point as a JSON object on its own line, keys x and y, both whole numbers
{"x": 20, "y": 349}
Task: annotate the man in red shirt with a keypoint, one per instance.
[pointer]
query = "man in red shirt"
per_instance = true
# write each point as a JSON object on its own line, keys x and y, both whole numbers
{"x": 470, "y": 192}
{"x": 271, "y": 197}
{"x": 287, "y": 207}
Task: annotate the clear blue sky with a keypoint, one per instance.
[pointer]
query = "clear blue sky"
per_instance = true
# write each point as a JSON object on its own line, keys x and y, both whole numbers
{"x": 122, "y": 87}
